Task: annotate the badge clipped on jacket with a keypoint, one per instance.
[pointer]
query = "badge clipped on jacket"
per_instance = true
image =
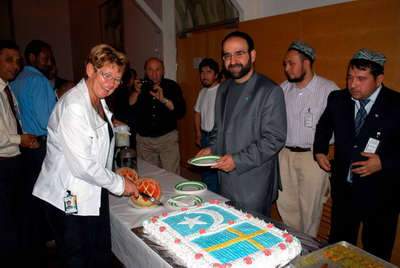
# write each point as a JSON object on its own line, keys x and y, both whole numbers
{"x": 373, "y": 144}
{"x": 70, "y": 204}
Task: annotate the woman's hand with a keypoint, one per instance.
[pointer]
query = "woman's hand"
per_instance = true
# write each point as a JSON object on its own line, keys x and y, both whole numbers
{"x": 130, "y": 188}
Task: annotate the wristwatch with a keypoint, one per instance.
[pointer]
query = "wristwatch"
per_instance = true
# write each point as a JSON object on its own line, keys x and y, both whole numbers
{"x": 166, "y": 101}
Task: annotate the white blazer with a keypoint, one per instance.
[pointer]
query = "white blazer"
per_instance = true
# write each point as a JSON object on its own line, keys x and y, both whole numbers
{"x": 79, "y": 154}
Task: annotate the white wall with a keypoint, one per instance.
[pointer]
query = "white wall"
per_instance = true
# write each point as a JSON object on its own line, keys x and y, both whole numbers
{"x": 255, "y": 9}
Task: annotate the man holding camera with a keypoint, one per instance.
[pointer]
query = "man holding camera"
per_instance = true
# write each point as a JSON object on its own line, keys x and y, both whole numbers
{"x": 159, "y": 104}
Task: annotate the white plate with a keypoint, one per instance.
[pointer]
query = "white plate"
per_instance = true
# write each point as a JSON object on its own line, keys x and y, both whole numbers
{"x": 190, "y": 187}
{"x": 204, "y": 161}
{"x": 197, "y": 200}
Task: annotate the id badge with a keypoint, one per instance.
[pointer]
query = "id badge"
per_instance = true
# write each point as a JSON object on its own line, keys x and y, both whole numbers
{"x": 70, "y": 204}
{"x": 308, "y": 119}
{"x": 372, "y": 145}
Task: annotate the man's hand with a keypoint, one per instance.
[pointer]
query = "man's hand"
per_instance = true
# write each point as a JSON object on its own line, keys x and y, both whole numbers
{"x": 225, "y": 163}
{"x": 158, "y": 94}
{"x": 323, "y": 162}
{"x": 198, "y": 140}
{"x": 368, "y": 167}
{"x": 203, "y": 152}
{"x": 29, "y": 141}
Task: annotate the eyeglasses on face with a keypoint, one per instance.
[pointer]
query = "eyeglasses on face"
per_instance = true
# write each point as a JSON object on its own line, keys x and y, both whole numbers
{"x": 237, "y": 55}
{"x": 109, "y": 77}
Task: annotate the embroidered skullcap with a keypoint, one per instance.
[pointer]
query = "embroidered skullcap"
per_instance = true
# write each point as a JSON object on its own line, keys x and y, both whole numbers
{"x": 370, "y": 55}
{"x": 303, "y": 48}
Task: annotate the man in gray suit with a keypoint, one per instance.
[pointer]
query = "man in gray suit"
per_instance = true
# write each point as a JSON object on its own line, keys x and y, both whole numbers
{"x": 249, "y": 130}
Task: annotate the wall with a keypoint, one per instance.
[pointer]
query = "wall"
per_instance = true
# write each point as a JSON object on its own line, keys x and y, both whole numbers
{"x": 142, "y": 39}
{"x": 255, "y": 9}
{"x": 47, "y": 20}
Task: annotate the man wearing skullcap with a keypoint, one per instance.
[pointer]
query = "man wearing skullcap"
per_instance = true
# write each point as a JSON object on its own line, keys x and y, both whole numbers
{"x": 304, "y": 184}
{"x": 365, "y": 171}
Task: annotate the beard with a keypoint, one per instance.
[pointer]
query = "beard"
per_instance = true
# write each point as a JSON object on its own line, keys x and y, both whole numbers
{"x": 296, "y": 79}
{"x": 46, "y": 71}
{"x": 245, "y": 69}
{"x": 207, "y": 83}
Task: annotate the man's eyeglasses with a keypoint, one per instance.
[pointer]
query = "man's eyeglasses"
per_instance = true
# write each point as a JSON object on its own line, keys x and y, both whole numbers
{"x": 236, "y": 55}
{"x": 109, "y": 77}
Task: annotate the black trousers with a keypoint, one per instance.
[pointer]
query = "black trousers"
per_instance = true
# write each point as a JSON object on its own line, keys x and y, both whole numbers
{"x": 82, "y": 241}
{"x": 9, "y": 211}
{"x": 33, "y": 219}
{"x": 379, "y": 223}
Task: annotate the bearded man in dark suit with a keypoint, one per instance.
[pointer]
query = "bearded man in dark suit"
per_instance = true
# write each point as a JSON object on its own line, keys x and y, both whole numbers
{"x": 365, "y": 120}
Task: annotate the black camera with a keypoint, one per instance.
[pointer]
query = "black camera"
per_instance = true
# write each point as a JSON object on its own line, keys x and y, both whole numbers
{"x": 147, "y": 85}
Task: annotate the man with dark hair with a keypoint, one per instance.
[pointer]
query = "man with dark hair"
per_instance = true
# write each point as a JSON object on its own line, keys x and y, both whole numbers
{"x": 304, "y": 184}
{"x": 365, "y": 171}
{"x": 161, "y": 105}
{"x": 204, "y": 115}
{"x": 11, "y": 137}
{"x": 249, "y": 129}
{"x": 37, "y": 99}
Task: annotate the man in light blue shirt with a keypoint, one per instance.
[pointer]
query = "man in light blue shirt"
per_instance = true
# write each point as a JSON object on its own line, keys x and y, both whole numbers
{"x": 36, "y": 100}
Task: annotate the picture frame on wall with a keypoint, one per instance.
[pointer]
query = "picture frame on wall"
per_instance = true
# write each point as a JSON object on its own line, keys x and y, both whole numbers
{"x": 111, "y": 23}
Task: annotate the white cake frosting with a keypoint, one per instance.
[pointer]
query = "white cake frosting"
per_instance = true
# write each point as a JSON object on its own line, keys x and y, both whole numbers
{"x": 216, "y": 235}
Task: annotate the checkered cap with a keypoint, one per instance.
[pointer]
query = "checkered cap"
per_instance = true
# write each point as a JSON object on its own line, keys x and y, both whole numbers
{"x": 303, "y": 48}
{"x": 370, "y": 55}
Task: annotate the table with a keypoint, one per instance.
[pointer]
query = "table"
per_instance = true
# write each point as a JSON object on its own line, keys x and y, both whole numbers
{"x": 126, "y": 237}
{"x": 126, "y": 245}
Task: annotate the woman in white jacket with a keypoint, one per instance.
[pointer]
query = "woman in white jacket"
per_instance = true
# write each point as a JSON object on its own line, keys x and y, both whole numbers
{"x": 76, "y": 174}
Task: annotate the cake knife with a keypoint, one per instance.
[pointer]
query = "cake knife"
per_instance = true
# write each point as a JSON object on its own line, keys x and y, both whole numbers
{"x": 152, "y": 199}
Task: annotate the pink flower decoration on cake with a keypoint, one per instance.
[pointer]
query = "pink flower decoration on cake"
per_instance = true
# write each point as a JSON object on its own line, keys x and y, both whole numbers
{"x": 249, "y": 216}
{"x": 164, "y": 214}
{"x": 289, "y": 239}
{"x": 177, "y": 241}
{"x": 222, "y": 265}
{"x": 248, "y": 260}
{"x": 212, "y": 201}
{"x": 282, "y": 246}
{"x": 184, "y": 209}
{"x": 162, "y": 229}
{"x": 267, "y": 252}
{"x": 230, "y": 206}
{"x": 231, "y": 222}
{"x": 217, "y": 202}
{"x": 202, "y": 231}
{"x": 153, "y": 220}
{"x": 198, "y": 256}
{"x": 199, "y": 205}
{"x": 286, "y": 235}
{"x": 270, "y": 225}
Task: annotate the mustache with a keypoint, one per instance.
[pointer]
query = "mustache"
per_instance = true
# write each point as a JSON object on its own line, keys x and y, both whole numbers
{"x": 235, "y": 65}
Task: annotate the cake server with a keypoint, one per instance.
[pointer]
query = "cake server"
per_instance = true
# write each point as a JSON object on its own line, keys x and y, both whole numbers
{"x": 152, "y": 199}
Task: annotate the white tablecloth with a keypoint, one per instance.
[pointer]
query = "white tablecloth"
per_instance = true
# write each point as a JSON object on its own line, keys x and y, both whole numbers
{"x": 128, "y": 247}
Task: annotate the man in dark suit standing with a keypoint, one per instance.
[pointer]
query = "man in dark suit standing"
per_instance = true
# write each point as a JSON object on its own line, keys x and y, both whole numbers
{"x": 249, "y": 129}
{"x": 365, "y": 171}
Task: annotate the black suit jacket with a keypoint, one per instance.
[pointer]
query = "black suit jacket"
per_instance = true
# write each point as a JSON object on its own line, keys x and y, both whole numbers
{"x": 381, "y": 188}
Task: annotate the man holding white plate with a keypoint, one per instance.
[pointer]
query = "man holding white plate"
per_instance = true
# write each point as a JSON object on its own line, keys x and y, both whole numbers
{"x": 249, "y": 130}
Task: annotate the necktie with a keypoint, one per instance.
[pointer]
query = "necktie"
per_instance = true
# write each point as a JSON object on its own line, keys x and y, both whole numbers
{"x": 360, "y": 117}
{"x": 10, "y": 100}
